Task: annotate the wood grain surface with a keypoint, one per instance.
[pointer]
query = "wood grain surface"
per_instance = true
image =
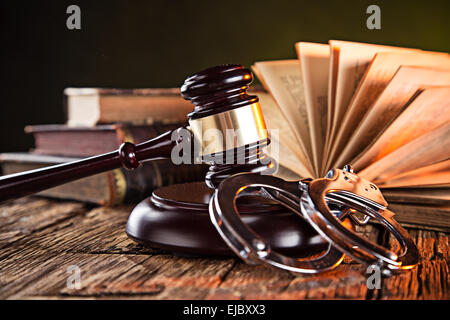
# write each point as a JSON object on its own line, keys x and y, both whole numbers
{"x": 40, "y": 239}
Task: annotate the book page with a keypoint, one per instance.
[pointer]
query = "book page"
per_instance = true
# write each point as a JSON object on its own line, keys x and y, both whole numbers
{"x": 427, "y": 149}
{"x": 381, "y": 70}
{"x": 315, "y": 63}
{"x": 424, "y": 114}
{"x": 389, "y": 105}
{"x": 282, "y": 79}
{"x": 332, "y": 81}
{"x": 286, "y": 174}
{"x": 288, "y": 154}
{"x": 287, "y": 158}
{"x": 437, "y": 174}
{"x": 348, "y": 63}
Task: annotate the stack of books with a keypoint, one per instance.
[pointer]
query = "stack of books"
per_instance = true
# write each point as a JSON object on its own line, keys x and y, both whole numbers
{"x": 99, "y": 121}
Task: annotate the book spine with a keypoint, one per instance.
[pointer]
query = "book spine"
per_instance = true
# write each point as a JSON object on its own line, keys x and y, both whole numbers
{"x": 90, "y": 142}
{"x": 128, "y": 187}
{"x": 118, "y": 186}
{"x": 133, "y": 186}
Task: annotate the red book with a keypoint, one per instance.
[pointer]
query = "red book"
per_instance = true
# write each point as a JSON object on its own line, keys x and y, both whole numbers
{"x": 63, "y": 140}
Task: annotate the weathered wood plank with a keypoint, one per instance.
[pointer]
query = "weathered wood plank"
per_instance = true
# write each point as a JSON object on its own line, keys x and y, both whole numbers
{"x": 430, "y": 280}
{"x": 106, "y": 275}
{"x": 40, "y": 239}
{"x": 25, "y": 216}
{"x": 47, "y": 273}
{"x": 345, "y": 282}
{"x": 251, "y": 282}
{"x": 261, "y": 282}
{"x": 101, "y": 230}
{"x": 163, "y": 276}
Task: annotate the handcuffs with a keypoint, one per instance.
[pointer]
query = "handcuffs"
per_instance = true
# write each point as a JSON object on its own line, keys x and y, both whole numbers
{"x": 323, "y": 203}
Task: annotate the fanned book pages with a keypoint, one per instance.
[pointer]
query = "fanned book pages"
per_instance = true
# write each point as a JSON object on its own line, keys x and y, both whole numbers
{"x": 385, "y": 110}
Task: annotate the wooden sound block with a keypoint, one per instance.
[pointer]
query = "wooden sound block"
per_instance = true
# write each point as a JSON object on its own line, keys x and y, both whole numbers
{"x": 176, "y": 218}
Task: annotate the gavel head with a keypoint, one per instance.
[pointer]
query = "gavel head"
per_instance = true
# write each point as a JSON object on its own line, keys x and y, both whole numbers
{"x": 227, "y": 124}
{"x": 225, "y": 117}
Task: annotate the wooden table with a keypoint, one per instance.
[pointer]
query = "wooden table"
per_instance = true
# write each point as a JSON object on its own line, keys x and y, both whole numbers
{"x": 43, "y": 241}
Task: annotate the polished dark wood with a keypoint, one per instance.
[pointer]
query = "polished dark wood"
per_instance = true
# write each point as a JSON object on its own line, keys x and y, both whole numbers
{"x": 218, "y": 89}
{"x": 176, "y": 218}
{"x": 128, "y": 156}
{"x": 213, "y": 90}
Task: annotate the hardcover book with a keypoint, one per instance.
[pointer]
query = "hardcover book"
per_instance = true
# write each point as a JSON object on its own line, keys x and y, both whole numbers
{"x": 109, "y": 188}
{"x": 91, "y": 106}
{"x": 85, "y": 141}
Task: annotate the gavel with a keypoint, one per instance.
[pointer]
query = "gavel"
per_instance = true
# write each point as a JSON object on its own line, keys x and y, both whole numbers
{"x": 221, "y": 102}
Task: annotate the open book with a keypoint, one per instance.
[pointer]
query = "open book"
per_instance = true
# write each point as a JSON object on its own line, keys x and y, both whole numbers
{"x": 385, "y": 110}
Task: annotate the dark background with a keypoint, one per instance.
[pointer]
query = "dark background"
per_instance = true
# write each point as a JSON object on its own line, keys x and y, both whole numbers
{"x": 158, "y": 43}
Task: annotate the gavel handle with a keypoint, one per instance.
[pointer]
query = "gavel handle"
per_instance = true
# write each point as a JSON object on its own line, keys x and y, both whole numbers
{"x": 17, "y": 185}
